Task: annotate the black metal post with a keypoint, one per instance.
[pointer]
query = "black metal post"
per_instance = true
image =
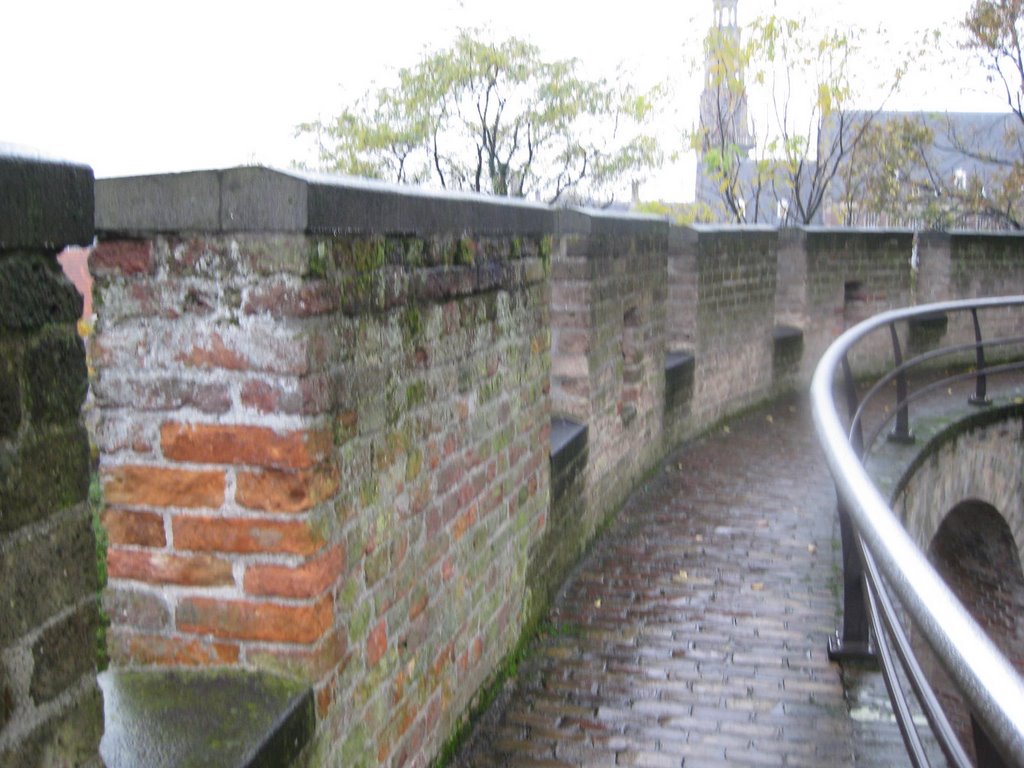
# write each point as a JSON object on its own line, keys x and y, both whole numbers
{"x": 981, "y": 384}
{"x": 853, "y": 640}
{"x": 901, "y": 432}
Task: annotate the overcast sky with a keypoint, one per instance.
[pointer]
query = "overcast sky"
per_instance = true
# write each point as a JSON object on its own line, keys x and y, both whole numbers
{"x": 140, "y": 87}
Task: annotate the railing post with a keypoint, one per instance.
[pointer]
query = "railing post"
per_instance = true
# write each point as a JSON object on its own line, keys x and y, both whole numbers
{"x": 980, "y": 396}
{"x": 901, "y": 432}
{"x": 853, "y": 640}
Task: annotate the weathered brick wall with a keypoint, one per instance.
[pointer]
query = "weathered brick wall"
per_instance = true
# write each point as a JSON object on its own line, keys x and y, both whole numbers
{"x": 51, "y": 712}
{"x": 985, "y": 264}
{"x": 963, "y": 504}
{"x": 216, "y": 450}
{"x": 324, "y": 454}
{"x": 609, "y": 291}
{"x": 975, "y": 554}
{"x": 736, "y": 273}
{"x": 982, "y": 460}
{"x": 852, "y": 275}
{"x": 325, "y": 416}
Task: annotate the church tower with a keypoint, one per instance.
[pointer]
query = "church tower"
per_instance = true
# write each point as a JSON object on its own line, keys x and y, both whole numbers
{"x": 723, "y": 104}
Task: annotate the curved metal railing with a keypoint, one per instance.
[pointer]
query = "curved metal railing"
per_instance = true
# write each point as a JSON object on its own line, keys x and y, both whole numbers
{"x": 880, "y": 558}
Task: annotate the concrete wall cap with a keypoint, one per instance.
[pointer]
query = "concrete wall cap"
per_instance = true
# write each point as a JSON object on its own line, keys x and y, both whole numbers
{"x": 260, "y": 199}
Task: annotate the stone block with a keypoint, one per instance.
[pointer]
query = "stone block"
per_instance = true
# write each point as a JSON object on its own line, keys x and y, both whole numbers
{"x": 57, "y": 377}
{"x": 143, "y": 611}
{"x": 34, "y": 293}
{"x": 47, "y": 473}
{"x": 70, "y": 739}
{"x": 10, "y": 395}
{"x": 48, "y": 203}
{"x": 176, "y": 718}
{"x": 44, "y": 573}
{"x": 6, "y": 698}
{"x": 63, "y": 653}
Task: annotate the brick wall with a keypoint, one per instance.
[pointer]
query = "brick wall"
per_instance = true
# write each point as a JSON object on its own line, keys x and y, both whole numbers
{"x": 735, "y": 316}
{"x": 51, "y": 712}
{"x": 608, "y": 293}
{"x": 963, "y": 504}
{"x": 325, "y": 413}
{"x": 852, "y": 275}
{"x": 325, "y": 455}
{"x": 983, "y": 460}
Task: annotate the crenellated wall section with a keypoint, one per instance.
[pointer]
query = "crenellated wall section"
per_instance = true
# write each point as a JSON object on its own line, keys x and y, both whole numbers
{"x": 357, "y": 434}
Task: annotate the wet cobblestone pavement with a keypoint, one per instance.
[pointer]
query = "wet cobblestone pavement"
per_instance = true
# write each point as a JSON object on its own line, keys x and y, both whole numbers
{"x": 694, "y": 633}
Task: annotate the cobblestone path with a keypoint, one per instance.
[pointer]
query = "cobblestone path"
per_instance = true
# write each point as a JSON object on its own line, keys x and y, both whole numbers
{"x": 694, "y": 633}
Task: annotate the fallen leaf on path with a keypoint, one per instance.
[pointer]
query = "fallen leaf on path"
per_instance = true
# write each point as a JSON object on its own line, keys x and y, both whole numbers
{"x": 757, "y": 586}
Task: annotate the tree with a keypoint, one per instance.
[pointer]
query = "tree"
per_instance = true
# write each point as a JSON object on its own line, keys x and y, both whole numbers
{"x": 888, "y": 179}
{"x": 949, "y": 170}
{"x": 494, "y": 118}
{"x": 806, "y": 130}
{"x": 994, "y": 31}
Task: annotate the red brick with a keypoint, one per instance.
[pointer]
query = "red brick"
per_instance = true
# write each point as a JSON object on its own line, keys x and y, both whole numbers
{"x": 143, "y": 529}
{"x": 214, "y": 355}
{"x": 324, "y": 699}
{"x": 131, "y": 649}
{"x": 126, "y": 257}
{"x": 164, "y": 568}
{"x": 464, "y": 522}
{"x": 286, "y": 492}
{"x": 376, "y": 643}
{"x": 244, "y": 444}
{"x": 418, "y": 606}
{"x": 308, "y": 300}
{"x": 307, "y": 580}
{"x": 159, "y": 487}
{"x": 250, "y": 620}
{"x": 229, "y": 534}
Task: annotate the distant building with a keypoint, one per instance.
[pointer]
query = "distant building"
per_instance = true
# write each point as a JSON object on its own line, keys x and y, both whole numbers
{"x": 726, "y": 131}
{"x": 965, "y": 154}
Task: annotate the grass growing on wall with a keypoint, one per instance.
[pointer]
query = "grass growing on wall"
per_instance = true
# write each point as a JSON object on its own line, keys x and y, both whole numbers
{"x": 100, "y": 535}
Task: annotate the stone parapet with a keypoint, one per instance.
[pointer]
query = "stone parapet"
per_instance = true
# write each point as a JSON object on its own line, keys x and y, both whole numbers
{"x": 323, "y": 454}
{"x": 51, "y": 711}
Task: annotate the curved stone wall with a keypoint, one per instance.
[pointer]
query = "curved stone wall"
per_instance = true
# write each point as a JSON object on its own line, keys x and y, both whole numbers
{"x": 978, "y": 459}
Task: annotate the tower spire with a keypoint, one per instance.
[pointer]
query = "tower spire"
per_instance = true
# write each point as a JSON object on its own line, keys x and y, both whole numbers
{"x": 723, "y": 104}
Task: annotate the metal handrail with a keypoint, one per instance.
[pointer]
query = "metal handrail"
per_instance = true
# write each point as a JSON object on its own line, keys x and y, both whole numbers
{"x": 992, "y": 688}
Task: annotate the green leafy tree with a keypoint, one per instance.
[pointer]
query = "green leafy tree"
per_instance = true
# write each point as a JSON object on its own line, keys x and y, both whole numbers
{"x": 994, "y": 32}
{"x": 948, "y": 170}
{"x": 788, "y": 153}
{"x": 495, "y": 118}
{"x": 889, "y": 180}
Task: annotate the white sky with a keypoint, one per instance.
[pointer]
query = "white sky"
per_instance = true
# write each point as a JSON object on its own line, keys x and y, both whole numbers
{"x": 143, "y": 87}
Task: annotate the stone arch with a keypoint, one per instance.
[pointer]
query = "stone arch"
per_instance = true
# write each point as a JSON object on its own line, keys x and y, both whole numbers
{"x": 980, "y": 460}
{"x": 974, "y": 552}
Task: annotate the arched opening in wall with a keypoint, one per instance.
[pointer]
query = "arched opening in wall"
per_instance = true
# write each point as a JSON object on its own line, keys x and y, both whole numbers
{"x": 975, "y": 554}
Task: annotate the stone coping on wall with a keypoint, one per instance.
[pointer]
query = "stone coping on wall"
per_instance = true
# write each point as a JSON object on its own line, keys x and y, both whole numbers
{"x": 259, "y": 199}
{"x": 47, "y": 201}
{"x": 167, "y": 718}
